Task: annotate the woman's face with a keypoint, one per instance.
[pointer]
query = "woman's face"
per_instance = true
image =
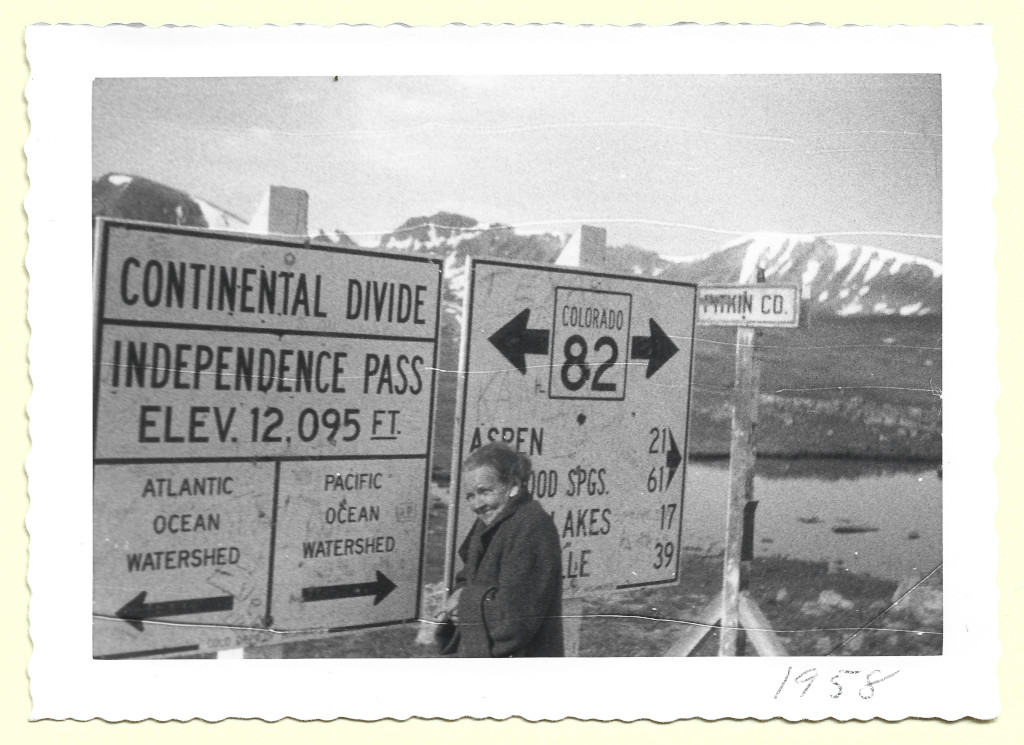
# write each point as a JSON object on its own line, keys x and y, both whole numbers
{"x": 486, "y": 493}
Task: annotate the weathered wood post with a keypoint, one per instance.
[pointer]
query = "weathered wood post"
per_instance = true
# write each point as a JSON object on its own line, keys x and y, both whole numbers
{"x": 741, "y": 487}
{"x": 746, "y": 307}
{"x": 283, "y": 210}
{"x": 739, "y": 534}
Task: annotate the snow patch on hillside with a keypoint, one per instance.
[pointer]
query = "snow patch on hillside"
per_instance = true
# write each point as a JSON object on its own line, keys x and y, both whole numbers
{"x": 446, "y": 237}
{"x": 863, "y": 257}
{"x": 846, "y": 278}
{"x": 219, "y": 219}
{"x": 845, "y": 255}
{"x": 851, "y": 309}
{"x": 748, "y": 271}
{"x": 813, "y": 267}
{"x": 676, "y": 259}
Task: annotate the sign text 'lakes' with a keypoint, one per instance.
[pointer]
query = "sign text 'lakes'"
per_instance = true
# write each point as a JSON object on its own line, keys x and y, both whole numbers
{"x": 589, "y": 375}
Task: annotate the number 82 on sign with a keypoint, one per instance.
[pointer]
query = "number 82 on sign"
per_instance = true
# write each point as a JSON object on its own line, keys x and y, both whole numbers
{"x": 590, "y": 344}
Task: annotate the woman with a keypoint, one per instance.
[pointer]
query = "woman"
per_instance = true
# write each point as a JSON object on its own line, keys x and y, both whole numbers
{"x": 507, "y": 600}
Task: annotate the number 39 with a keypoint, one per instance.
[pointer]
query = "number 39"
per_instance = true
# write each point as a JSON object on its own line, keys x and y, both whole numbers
{"x": 664, "y": 553}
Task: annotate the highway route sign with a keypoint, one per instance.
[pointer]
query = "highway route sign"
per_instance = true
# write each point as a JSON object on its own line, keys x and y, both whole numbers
{"x": 588, "y": 374}
{"x": 749, "y": 305}
{"x": 262, "y": 420}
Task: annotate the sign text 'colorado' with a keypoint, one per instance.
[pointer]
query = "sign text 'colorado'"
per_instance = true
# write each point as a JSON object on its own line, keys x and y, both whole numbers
{"x": 589, "y": 375}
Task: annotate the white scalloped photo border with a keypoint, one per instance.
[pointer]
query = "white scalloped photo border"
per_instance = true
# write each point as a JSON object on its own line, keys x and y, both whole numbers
{"x": 67, "y": 683}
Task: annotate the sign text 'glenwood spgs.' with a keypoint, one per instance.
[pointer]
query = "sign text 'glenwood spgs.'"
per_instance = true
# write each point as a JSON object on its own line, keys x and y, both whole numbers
{"x": 588, "y": 374}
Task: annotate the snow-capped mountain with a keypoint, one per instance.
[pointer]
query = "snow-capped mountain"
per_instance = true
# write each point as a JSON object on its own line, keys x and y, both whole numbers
{"x": 136, "y": 198}
{"x": 446, "y": 233}
{"x": 440, "y": 233}
{"x": 837, "y": 278}
{"x": 456, "y": 238}
{"x": 123, "y": 195}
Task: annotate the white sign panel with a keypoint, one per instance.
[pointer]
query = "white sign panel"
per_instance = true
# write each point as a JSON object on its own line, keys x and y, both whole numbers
{"x": 262, "y": 433}
{"x": 748, "y": 305}
{"x": 588, "y": 374}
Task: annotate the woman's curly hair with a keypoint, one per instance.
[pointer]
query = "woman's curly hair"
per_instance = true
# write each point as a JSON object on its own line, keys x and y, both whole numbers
{"x": 510, "y": 466}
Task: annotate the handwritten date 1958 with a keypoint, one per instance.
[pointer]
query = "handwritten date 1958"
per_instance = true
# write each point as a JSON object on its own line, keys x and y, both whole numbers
{"x": 865, "y": 685}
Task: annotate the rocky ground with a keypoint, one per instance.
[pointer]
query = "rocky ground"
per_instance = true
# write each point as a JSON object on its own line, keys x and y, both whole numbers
{"x": 815, "y": 609}
{"x": 813, "y": 612}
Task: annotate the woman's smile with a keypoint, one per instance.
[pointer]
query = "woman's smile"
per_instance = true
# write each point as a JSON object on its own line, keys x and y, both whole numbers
{"x": 486, "y": 493}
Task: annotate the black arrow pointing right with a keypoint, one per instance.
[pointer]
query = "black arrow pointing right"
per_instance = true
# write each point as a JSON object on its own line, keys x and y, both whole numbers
{"x": 515, "y": 341}
{"x": 672, "y": 458}
{"x": 379, "y": 588}
{"x": 657, "y": 348}
{"x": 136, "y": 610}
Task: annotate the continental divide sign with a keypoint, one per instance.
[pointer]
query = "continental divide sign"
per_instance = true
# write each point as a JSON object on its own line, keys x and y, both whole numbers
{"x": 588, "y": 374}
{"x": 262, "y": 432}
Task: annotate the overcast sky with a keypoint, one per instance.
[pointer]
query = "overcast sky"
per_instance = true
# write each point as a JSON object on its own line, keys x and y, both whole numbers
{"x": 676, "y": 164}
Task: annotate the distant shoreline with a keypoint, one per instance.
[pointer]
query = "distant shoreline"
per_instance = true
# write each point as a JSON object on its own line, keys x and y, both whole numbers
{"x": 913, "y": 460}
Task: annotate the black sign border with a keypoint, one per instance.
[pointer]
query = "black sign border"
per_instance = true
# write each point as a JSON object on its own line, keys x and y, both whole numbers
{"x": 102, "y": 228}
{"x": 459, "y": 435}
{"x": 626, "y": 354}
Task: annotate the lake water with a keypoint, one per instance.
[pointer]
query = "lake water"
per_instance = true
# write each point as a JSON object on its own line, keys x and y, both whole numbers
{"x": 899, "y": 501}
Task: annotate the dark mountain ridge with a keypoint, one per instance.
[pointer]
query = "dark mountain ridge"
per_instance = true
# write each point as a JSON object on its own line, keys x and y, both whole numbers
{"x": 862, "y": 379}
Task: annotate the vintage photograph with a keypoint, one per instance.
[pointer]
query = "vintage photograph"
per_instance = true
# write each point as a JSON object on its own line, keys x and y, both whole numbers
{"x": 576, "y": 365}
{"x": 633, "y": 373}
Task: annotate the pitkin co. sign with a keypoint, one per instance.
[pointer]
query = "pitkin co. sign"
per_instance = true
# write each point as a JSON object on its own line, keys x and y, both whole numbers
{"x": 748, "y": 305}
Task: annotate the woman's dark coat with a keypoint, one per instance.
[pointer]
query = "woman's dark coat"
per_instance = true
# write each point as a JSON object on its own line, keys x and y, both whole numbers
{"x": 511, "y": 603}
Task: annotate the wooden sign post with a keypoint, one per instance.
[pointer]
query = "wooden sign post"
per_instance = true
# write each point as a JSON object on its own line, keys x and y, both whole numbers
{"x": 582, "y": 370}
{"x": 742, "y": 456}
{"x": 235, "y": 443}
{"x": 746, "y": 307}
{"x": 282, "y": 210}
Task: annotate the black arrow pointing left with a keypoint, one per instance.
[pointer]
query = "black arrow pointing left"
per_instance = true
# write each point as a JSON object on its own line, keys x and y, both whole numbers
{"x": 379, "y": 588}
{"x": 514, "y": 340}
{"x": 657, "y": 348}
{"x": 137, "y": 610}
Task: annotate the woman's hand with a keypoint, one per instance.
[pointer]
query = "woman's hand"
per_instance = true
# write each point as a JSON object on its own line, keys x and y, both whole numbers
{"x": 451, "y": 606}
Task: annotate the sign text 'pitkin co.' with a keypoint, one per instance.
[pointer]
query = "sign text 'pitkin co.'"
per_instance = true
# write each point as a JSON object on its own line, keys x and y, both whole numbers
{"x": 748, "y": 305}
